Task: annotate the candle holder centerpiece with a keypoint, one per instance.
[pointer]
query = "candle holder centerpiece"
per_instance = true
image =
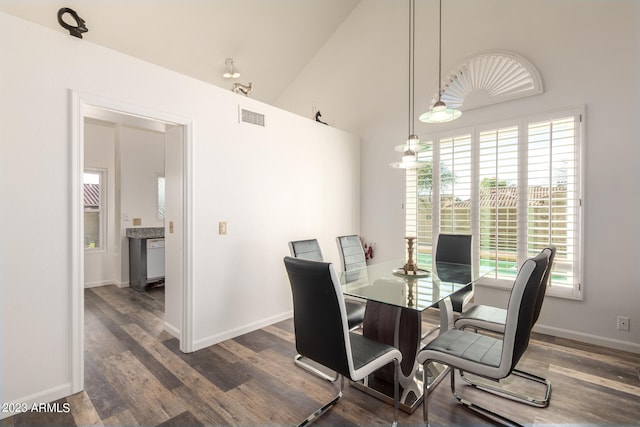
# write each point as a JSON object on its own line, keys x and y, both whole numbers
{"x": 410, "y": 266}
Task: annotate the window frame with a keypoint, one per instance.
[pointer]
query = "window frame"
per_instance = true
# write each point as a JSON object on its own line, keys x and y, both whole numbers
{"x": 102, "y": 211}
{"x": 574, "y": 291}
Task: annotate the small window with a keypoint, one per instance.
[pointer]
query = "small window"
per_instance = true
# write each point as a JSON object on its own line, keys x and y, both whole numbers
{"x": 94, "y": 209}
{"x": 161, "y": 199}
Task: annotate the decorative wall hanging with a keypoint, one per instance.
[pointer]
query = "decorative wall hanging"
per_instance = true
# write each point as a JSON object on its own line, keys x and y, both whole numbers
{"x": 318, "y": 115}
{"x": 240, "y": 88}
{"x": 490, "y": 78}
{"x": 76, "y": 30}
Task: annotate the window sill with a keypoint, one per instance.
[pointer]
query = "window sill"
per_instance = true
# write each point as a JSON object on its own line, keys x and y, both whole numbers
{"x": 506, "y": 285}
{"x": 88, "y": 251}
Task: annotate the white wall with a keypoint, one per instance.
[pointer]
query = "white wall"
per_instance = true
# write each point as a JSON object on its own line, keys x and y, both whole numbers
{"x": 293, "y": 179}
{"x": 587, "y": 53}
{"x": 141, "y": 163}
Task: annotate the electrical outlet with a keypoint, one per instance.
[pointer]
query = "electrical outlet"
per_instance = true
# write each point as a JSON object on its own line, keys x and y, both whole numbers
{"x": 623, "y": 323}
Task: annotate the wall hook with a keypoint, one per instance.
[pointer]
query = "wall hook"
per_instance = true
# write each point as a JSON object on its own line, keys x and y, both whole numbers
{"x": 74, "y": 31}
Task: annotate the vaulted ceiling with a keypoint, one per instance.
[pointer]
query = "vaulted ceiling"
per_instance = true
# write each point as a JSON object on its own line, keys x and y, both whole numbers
{"x": 347, "y": 58}
{"x": 270, "y": 40}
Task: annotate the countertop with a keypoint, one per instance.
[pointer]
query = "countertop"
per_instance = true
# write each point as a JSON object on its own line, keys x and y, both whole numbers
{"x": 145, "y": 233}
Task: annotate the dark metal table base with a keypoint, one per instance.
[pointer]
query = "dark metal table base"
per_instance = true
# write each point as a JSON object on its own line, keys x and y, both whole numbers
{"x": 401, "y": 328}
{"x": 411, "y": 397}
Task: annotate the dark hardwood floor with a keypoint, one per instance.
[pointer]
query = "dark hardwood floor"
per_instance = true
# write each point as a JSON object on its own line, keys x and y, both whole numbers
{"x": 136, "y": 375}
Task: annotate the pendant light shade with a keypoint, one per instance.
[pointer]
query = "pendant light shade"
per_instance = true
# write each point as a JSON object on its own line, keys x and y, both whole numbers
{"x": 409, "y": 156}
{"x": 440, "y": 113}
{"x": 416, "y": 145}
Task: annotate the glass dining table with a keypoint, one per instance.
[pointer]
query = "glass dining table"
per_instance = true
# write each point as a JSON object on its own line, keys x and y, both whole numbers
{"x": 395, "y": 302}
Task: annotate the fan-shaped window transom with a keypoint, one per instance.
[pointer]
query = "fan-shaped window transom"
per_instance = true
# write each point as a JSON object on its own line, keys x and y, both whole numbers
{"x": 489, "y": 78}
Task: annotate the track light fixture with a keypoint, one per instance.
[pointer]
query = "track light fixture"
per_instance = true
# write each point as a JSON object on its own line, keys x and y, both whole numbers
{"x": 230, "y": 73}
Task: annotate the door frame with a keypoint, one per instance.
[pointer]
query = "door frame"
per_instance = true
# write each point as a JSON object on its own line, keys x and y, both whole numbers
{"x": 79, "y": 102}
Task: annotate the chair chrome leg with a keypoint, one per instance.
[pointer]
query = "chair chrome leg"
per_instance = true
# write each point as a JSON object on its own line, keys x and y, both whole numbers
{"x": 396, "y": 392}
{"x": 425, "y": 399}
{"x": 479, "y": 409}
{"x": 326, "y": 407}
{"x": 298, "y": 360}
{"x": 498, "y": 391}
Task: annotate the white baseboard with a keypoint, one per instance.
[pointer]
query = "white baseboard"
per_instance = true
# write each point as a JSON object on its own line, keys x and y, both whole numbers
{"x": 122, "y": 284}
{"x": 45, "y": 396}
{"x": 215, "y": 339}
{"x": 98, "y": 283}
{"x": 105, "y": 283}
{"x": 588, "y": 338}
{"x": 175, "y": 332}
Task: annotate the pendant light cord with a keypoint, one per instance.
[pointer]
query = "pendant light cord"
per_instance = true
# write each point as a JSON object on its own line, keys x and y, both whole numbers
{"x": 412, "y": 34}
{"x": 440, "y": 52}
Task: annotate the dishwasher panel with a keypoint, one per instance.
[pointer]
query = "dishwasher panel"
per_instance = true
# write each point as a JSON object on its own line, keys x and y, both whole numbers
{"x": 155, "y": 259}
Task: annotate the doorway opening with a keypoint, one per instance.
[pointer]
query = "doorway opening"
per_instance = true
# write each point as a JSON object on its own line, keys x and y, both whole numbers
{"x": 109, "y": 250}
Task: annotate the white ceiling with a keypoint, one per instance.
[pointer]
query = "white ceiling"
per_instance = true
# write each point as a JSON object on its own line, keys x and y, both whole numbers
{"x": 270, "y": 40}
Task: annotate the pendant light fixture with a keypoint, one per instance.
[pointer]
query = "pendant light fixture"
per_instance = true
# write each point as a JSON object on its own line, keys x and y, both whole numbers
{"x": 409, "y": 157}
{"x": 440, "y": 113}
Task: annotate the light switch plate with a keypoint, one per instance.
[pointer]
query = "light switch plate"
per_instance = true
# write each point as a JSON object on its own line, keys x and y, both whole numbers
{"x": 137, "y": 221}
{"x": 222, "y": 227}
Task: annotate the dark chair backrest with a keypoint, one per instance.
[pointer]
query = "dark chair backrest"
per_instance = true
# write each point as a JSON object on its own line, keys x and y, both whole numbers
{"x": 319, "y": 314}
{"x": 551, "y": 251}
{"x": 520, "y": 311}
{"x": 351, "y": 256}
{"x": 455, "y": 248}
{"x": 306, "y": 249}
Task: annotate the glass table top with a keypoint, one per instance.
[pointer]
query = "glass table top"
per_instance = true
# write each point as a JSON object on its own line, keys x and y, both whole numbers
{"x": 379, "y": 282}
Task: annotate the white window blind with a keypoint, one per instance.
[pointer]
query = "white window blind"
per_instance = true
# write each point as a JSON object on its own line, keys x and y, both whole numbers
{"x": 515, "y": 187}
{"x": 455, "y": 185}
{"x": 94, "y": 209}
{"x": 498, "y": 200}
{"x": 553, "y": 205}
{"x": 421, "y": 180}
{"x": 411, "y": 204}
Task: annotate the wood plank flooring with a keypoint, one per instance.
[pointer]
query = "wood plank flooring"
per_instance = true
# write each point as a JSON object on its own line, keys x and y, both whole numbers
{"x": 136, "y": 375}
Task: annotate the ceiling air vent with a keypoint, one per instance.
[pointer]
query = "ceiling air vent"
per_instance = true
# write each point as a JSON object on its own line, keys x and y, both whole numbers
{"x": 247, "y": 116}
